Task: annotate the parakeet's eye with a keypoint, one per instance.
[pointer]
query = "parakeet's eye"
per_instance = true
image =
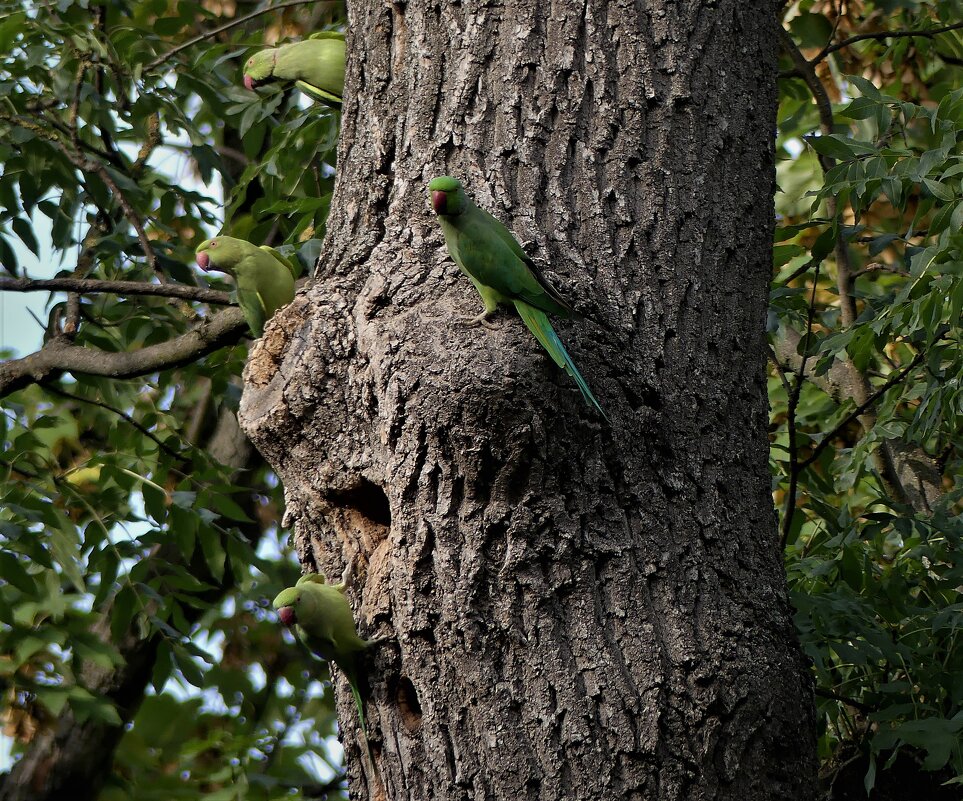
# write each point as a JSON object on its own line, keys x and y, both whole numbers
{"x": 214, "y": 244}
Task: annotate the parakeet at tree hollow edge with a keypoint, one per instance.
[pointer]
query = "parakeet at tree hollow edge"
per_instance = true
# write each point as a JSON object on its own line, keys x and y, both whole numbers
{"x": 264, "y": 278}
{"x": 316, "y": 65}
{"x": 321, "y": 617}
{"x": 501, "y": 271}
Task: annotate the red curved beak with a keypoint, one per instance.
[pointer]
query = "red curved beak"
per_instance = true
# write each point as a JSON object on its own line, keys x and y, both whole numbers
{"x": 439, "y": 201}
{"x": 203, "y": 261}
{"x": 287, "y": 616}
{"x": 249, "y": 82}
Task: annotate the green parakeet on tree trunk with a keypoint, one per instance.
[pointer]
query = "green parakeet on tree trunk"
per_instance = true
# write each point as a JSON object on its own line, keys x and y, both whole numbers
{"x": 322, "y": 619}
{"x": 264, "y": 278}
{"x": 316, "y": 65}
{"x": 501, "y": 271}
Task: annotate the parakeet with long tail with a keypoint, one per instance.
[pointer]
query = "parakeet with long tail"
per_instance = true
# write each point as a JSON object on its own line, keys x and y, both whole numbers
{"x": 322, "y": 619}
{"x": 501, "y": 271}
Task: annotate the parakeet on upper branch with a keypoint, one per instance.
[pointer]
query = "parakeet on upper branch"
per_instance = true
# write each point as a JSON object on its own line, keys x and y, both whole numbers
{"x": 316, "y": 65}
{"x": 501, "y": 271}
{"x": 264, "y": 278}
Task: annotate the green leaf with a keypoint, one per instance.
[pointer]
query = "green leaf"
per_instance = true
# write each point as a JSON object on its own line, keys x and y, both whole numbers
{"x": 860, "y": 109}
{"x": 65, "y": 545}
{"x": 15, "y": 573}
{"x": 226, "y": 506}
{"x": 8, "y": 258}
{"x": 865, "y": 87}
{"x": 53, "y": 698}
{"x": 938, "y": 189}
{"x": 214, "y": 553}
{"x": 831, "y": 146}
{"x": 781, "y": 254}
{"x": 811, "y": 30}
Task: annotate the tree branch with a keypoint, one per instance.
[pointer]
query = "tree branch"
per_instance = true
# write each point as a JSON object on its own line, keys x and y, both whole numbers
{"x": 879, "y": 36}
{"x": 791, "y": 406}
{"x": 59, "y": 356}
{"x": 891, "y": 461}
{"x": 92, "y": 286}
{"x": 226, "y": 27}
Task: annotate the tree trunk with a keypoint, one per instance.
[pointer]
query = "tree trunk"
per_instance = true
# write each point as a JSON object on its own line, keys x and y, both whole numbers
{"x": 583, "y": 610}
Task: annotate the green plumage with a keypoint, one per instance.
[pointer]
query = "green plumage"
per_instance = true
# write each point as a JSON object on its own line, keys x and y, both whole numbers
{"x": 501, "y": 271}
{"x": 316, "y": 65}
{"x": 264, "y": 278}
{"x": 323, "y": 621}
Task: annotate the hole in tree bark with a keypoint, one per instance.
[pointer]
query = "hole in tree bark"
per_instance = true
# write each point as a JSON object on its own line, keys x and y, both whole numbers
{"x": 408, "y": 707}
{"x": 368, "y": 500}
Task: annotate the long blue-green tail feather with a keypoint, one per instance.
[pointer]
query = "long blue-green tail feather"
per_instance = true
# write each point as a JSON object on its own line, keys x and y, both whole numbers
{"x": 539, "y": 325}
{"x": 364, "y": 729}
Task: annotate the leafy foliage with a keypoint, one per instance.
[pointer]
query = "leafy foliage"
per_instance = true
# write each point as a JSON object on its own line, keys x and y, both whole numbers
{"x": 866, "y": 302}
{"x": 130, "y": 532}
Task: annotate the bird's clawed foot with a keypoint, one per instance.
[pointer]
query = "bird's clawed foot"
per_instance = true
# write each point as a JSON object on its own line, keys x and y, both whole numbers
{"x": 482, "y": 319}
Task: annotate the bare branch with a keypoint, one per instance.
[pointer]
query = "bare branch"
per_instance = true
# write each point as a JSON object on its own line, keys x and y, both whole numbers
{"x": 93, "y": 286}
{"x": 60, "y": 356}
{"x": 226, "y": 27}
{"x": 929, "y": 33}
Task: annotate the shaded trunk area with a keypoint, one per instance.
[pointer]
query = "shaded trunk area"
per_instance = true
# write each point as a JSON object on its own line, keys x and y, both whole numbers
{"x": 582, "y": 610}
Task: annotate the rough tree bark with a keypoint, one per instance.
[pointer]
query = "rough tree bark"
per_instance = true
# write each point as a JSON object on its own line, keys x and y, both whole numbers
{"x": 582, "y": 610}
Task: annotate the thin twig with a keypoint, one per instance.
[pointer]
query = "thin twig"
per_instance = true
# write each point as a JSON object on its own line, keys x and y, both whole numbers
{"x": 89, "y": 165}
{"x": 74, "y": 111}
{"x": 793, "y": 403}
{"x": 93, "y": 286}
{"x": 862, "y": 707}
{"x": 119, "y": 412}
{"x": 226, "y": 27}
{"x": 223, "y": 150}
{"x": 84, "y": 263}
{"x": 780, "y": 370}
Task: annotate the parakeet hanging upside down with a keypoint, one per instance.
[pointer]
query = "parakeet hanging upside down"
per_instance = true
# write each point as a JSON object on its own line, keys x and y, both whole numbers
{"x": 316, "y": 65}
{"x": 264, "y": 278}
{"x": 322, "y": 619}
{"x": 501, "y": 271}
